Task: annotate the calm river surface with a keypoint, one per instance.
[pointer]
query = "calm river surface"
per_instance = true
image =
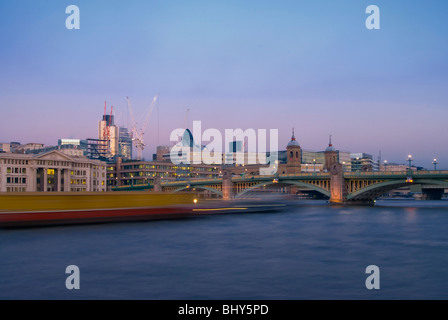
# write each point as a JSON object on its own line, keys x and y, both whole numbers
{"x": 309, "y": 251}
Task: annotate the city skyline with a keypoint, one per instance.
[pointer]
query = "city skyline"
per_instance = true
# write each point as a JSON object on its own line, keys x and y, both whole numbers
{"x": 312, "y": 66}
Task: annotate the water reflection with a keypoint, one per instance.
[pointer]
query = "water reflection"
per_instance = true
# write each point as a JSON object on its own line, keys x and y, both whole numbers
{"x": 309, "y": 251}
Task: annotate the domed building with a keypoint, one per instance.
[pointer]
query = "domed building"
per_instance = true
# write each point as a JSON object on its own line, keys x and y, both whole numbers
{"x": 294, "y": 156}
{"x": 331, "y": 155}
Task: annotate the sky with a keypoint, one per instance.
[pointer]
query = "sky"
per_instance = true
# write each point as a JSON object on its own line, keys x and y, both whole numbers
{"x": 309, "y": 65}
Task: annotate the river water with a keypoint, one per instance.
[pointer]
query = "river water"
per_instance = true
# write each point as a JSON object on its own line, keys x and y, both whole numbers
{"x": 309, "y": 251}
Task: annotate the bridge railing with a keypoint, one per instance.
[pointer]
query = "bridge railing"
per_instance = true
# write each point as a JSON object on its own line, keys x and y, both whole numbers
{"x": 167, "y": 183}
{"x": 395, "y": 173}
{"x": 275, "y": 176}
{"x": 310, "y": 175}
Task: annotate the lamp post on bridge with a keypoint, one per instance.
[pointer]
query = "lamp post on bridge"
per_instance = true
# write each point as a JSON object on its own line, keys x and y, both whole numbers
{"x": 435, "y": 163}
{"x": 385, "y": 165}
{"x": 410, "y": 179}
{"x": 410, "y": 162}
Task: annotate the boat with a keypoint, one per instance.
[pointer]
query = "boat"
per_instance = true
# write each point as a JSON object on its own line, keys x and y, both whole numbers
{"x": 44, "y": 209}
{"x": 267, "y": 204}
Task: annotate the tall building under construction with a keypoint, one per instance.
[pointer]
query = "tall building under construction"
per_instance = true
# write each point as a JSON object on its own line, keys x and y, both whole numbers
{"x": 119, "y": 140}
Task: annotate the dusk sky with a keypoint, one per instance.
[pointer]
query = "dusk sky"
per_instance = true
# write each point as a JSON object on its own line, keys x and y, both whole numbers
{"x": 312, "y": 65}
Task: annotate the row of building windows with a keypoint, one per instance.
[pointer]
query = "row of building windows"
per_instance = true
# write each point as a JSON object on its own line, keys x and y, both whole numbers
{"x": 15, "y": 189}
{"x": 161, "y": 174}
{"x": 80, "y": 165}
{"x": 78, "y": 173}
{"x": 97, "y": 174}
{"x": 162, "y": 167}
{"x": 62, "y": 163}
{"x": 15, "y": 161}
{"x": 11, "y": 180}
{"x": 77, "y": 181}
{"x": 16, "y": 170}
{"x": 53, "y": 163}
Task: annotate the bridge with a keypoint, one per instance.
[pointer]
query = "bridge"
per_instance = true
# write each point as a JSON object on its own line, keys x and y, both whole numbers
{"x": 338, "y": 186}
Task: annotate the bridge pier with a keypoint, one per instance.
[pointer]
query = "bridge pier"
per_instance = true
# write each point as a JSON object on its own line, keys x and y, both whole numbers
{"x": 337, "y": 184}
{"x": 227, "y": 185}
{"x": 157, "y": 185}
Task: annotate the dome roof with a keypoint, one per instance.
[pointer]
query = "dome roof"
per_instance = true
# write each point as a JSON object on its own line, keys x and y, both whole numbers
{"x": 330, "y": 146}
{"x": 293, "y": 142}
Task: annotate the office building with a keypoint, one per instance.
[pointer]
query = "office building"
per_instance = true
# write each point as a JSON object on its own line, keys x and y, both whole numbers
{"x": 125, "y": 144}
{"x": 363, "y": 162}
{"x": 53, "y": 171}
{"x": 108, "y": 131}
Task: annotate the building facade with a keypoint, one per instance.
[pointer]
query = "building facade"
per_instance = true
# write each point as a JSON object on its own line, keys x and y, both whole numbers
{"x": 294, "y": 156}
{"x": 125, "y": 144}
{"x": 363, "y": 162}
{"x": 131, "y": 173}
{"x": 51, "y": 172}
{"x": 108, "y": 131}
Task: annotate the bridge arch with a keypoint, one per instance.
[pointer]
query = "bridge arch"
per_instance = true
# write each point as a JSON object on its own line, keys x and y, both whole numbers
{"x": 296, "y": 183}
{"x": 215, "y": 191}
{"x": 375, "y": 190}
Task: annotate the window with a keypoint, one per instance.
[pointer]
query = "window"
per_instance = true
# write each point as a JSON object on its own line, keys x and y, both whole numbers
{"x": 8, "y": 180}
{"x": 8, "y": 170}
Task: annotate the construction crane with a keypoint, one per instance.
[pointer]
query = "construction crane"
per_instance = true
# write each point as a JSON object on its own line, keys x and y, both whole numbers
{"x": 139, "y": 132}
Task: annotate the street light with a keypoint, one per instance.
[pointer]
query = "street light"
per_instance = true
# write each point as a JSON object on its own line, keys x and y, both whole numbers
{"x": 435, "y": 163}
{"x": 314, "y": 162}
{"x": 385, "y": 165}
{"x": 410, "y": 161}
